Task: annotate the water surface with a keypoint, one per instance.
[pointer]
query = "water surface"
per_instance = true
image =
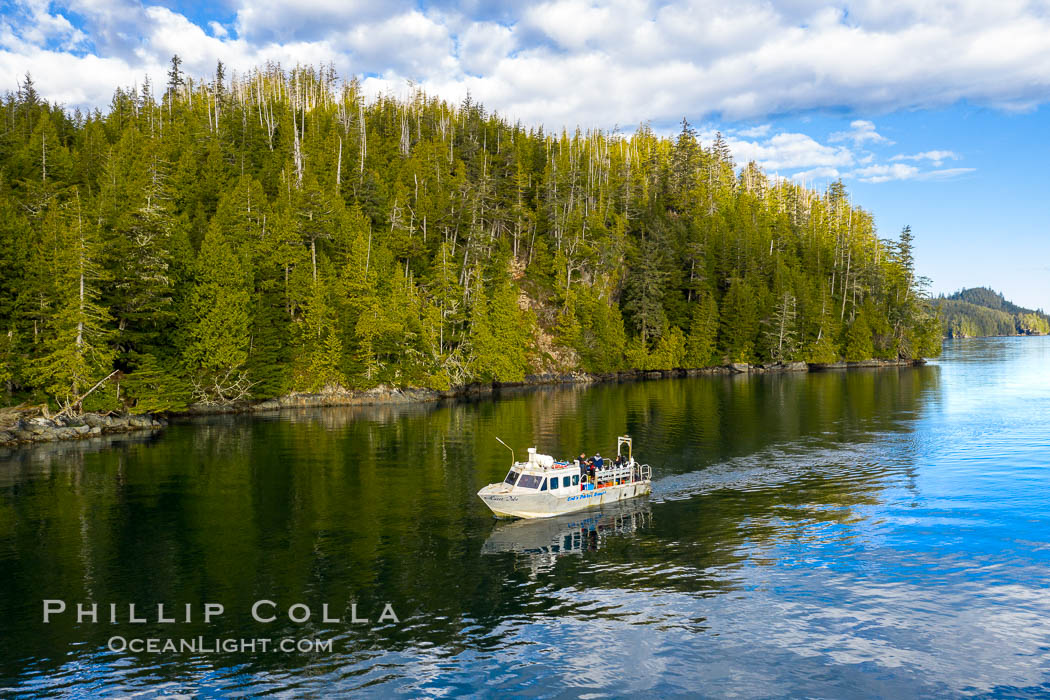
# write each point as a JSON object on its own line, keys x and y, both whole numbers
{"x": 864, "y": 533}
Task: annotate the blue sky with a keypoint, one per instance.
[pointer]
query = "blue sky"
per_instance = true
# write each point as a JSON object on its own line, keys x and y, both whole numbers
{"x": 932, "y": 112}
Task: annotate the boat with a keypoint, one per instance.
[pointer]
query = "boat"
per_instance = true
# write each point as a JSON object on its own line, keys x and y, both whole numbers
{"x": 542, "y": 487}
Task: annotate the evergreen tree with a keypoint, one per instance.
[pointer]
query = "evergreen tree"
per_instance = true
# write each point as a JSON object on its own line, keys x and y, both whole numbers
{"x": 858, "y": 345}
{"x": 781, "y": 337}
{"x": 76, "y": 351}
{"x": 738, "y": 322}
{"x": 356, "y": 234}
{"x": 670, "y": 352}
{"x": 703, "y": 333}
{"x": 143, "y": 245}
{"x": 322, "y": 343}
{"x": 217, "y": 353}
{"x": 643, "y": 298}
{"x": 175, "y": 78}
{"x": 510, "y": 335}
{"x": 153, "y": 386}
{"x": 483, "y": 347}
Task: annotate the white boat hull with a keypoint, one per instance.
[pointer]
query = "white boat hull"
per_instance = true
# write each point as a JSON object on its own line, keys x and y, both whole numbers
{"x": 507, "y": 503}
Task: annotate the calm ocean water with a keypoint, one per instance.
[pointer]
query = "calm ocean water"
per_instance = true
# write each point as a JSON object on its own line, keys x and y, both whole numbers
{"x": 873, "y": 533}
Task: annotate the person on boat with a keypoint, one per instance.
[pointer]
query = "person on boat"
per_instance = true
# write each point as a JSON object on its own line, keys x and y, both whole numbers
{"x": 597, "y": 461}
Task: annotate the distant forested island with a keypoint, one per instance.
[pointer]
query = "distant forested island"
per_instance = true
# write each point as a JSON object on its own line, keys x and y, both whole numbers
{"x": 979, "y": 311}
{"x": 248, "y": 236}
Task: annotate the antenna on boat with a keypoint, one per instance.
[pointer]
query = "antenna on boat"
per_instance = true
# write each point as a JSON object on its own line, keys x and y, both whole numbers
{"x": 512, "y": 459}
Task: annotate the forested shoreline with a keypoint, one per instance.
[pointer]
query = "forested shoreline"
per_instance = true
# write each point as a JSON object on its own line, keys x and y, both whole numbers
{"x": 979, "y": 312}
{"x": 245, "y": 237}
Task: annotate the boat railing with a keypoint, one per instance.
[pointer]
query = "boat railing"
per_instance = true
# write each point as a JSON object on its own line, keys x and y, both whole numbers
{"x": 623, "y": 473}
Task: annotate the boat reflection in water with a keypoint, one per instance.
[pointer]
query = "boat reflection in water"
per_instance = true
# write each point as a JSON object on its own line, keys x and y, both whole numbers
{"x": 545, "y": 539}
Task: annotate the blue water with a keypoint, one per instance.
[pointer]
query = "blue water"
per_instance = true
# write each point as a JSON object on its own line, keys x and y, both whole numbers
{"x": 872, "y": 533}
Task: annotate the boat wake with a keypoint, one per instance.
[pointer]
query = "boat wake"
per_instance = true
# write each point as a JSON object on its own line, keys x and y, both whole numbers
{"x": 777, "y": 466}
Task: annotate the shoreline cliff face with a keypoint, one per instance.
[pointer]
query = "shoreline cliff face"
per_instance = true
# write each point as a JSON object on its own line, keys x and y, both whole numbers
{"x": 26, "y": 426}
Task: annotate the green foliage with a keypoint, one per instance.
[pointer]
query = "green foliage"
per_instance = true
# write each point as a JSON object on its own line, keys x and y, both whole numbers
{"x": 637, "y": 354}
{"x": 859, "y": 344}
{"x": 780, "y": 333}
{"x": 75, "y": 350}
{"x": 670, "y": 351}
{"x": 643, "y": 298}
{"x": 499, "y": 333}
{"x": 926, "y": 337}
{"x": 153, "y": 386}
{"x": 703, "y": 333}
{"x": 822, "y": 350}
{"x": 978, "y": 312}
{"x": 321, "y": 345}
{"x": 739, "y": 322}
{"x": 226, "y": 254}
{"x": 600, "y": 336}
{"x": 219, "y": 332}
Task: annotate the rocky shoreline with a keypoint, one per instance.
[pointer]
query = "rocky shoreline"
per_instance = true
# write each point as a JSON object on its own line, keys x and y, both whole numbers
{"x": 25, "y": 430}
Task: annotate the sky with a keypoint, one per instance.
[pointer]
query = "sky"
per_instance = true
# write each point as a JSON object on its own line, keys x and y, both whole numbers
{"x": 933, "y": 113}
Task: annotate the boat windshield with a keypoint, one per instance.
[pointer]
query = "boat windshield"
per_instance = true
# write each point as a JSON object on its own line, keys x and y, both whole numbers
{"x": 512, "y": 476}
{"x": 529, "y": 481}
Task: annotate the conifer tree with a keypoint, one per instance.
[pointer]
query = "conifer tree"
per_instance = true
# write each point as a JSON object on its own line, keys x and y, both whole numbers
{"x": 781, "y": 337}
{"x": 142, "y": 244}
{"x": 738, "y": 322}
{"x": 361, "y": 231}
{"x": 511, "y": 334}
{"x": 824, "y": 349}
{"x": 703, "y": 333}
{"x": 645, "y": 292}
{"x": 76, "y": 350}
{"x": 567, "y": 331}
{"x": 321, "y": 343}
{"x": 858, "y": 345}
{"x": 670, "y": 351}
{"x": 218, "y": 336}
{"x": 483, "y": 347}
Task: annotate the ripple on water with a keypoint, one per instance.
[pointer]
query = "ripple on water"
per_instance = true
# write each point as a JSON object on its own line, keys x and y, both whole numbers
{"x": 836, "y": 534}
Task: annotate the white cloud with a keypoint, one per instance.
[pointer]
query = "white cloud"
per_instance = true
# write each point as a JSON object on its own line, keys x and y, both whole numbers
{"x": 482, "y": 45}
{"x": 861, "y": 131}
{"x": 755, "y": 132}
{"x": 802, "y": 158}
{"x": 570, "y": 62}
{"x": 262, "y": 22}
{"x": 572, "y": 24}
{"x": 576, "y": 61}
{"x": 902, "y": 171}
{"x": 30, "y": 23}
{"x": 789, "y": 151}
{"x": 935, "y": 157}
{"x": 812, "y": 174}
{"x": 885, "y": 173}
{"x": 945, "y": 173}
